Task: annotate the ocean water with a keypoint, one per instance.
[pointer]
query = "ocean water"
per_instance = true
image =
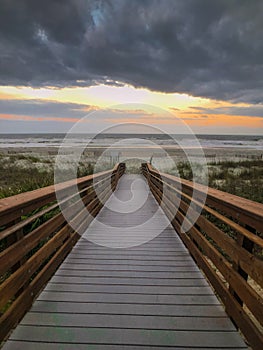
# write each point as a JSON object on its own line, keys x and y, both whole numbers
{"x": 147, "y": 140}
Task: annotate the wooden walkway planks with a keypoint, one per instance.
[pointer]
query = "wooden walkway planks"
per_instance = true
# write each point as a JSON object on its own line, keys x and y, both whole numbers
{"x": 142, "y": 297}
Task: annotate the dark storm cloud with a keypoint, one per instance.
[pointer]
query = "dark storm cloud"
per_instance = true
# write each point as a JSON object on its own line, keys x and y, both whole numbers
{"x": 42, "y": 108}
{"x": 201, "y": 47}
{"x": 45, "y": 109}
{"x": 251, "y": 111}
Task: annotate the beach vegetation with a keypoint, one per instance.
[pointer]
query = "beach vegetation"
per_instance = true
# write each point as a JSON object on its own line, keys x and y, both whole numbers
{"x": 21, "y": 173}
{"x": 242, "y": 178}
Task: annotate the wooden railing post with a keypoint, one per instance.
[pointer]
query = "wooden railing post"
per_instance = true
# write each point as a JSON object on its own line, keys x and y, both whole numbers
{"x": 248, "y": 245}
{"x": 225, "y": 241}
{"x": 27, "y": 261}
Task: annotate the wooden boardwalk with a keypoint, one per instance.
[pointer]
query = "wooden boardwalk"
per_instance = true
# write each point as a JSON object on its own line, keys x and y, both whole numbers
{"x": 146, "y": 296}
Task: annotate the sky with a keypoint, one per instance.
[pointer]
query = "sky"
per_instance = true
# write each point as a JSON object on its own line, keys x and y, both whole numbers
{"x": 156, "y": 62}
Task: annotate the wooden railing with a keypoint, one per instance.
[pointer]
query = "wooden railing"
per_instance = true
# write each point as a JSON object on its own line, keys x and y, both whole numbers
{"x": 226, "y": 241}
{"x": 35, "y": 237}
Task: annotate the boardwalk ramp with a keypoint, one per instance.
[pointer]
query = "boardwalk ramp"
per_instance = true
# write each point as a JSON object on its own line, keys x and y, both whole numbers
{"x": 128, "y": 283}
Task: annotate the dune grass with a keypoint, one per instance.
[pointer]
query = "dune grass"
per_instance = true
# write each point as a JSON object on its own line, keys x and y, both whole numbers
{"x": 242, "y": 178}
{"x": 21, "y": 173}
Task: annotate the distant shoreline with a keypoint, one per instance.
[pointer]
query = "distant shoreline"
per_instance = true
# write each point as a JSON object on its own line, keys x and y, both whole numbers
{"x": 226, "y": 152}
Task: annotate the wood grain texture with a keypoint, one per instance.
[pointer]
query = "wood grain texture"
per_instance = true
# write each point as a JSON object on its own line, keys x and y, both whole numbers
{"x": 145, "y": 296}
{"x": 227, "y": 248}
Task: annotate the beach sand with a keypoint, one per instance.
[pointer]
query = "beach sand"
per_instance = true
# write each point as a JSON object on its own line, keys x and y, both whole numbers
{"x": 95, "y": 151}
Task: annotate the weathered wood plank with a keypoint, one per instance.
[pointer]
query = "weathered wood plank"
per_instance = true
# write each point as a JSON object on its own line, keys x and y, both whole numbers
{"x": 243, "y": 261}
{"x": 128, "y": 336}
{"x": 154, "y": 262}
{"x": 101, "y": 288}
{"x": 18, "y": 345}
{"x": 129, "y": 309}
{"x": 143, "y": 297}
{"x": 131, "y": 281}
{"x": 129, "y": 321}
{"x": 122, "y": 298}
{"x": 190, "y": 267}
{"x": 130, "y": 274}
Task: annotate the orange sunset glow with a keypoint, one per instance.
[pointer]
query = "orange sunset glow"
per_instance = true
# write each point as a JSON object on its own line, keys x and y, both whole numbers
{"x": 196, "y": 112}
{"x": 131, "y": 174}
{"x": 158, "y": 63}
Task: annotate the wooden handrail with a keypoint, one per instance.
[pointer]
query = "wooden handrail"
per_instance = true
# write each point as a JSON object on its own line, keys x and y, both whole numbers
{"x": 225, "y": 240}
{"x": 35, "y": 237}
{"x": 13, "y": 207}
{"x": 231, "y": 204}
